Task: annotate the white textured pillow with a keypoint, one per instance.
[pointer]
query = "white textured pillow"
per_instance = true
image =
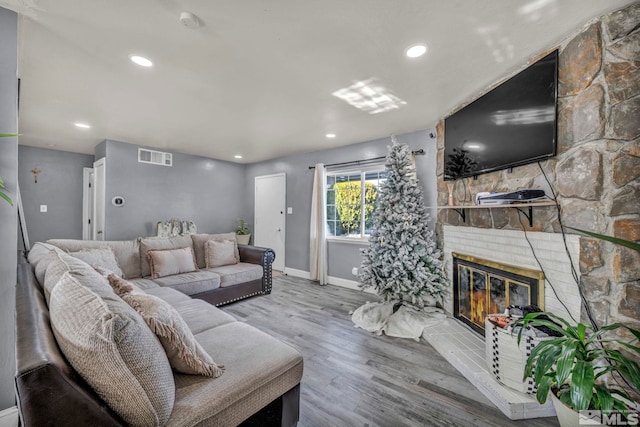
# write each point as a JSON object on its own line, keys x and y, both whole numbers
{"x": 101, "y": 257}
{"x": 200, "y": 240}
{"x": 220, "y": 252}
{"x": 183, "y": 351}
{"x": 112, "y": 348}
{"x": 166, "y": 262}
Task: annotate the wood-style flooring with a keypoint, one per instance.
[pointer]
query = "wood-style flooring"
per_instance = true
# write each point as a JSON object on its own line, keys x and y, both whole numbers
{"x": 354, "y": 378}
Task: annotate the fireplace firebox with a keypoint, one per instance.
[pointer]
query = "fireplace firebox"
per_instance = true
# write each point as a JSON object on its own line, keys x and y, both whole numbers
{"x": 484, "y": 287}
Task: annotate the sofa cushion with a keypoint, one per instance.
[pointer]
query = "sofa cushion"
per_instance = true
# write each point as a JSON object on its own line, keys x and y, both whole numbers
{"x": 60, "y": 263}
{"x": 170, "y": 295}
{"x": 183, "y": 351}
{"x": 112, "y": 348}
{"x": 38, "y": 259}
{"x": 258, "y": 369}
{"x": 144, "y": 284}
{"x": 200, "y": 315}
{"x": 220, "y": 252}
{"x": 100, "y": 257}
{"x": 237, "y": 273}
{"x": 127, "y": 252}
{"x": 191, "y": 283}
{"x": 151, "y": 244}
{"x": 199, "y": 241}
{"x": 167, "y": 262}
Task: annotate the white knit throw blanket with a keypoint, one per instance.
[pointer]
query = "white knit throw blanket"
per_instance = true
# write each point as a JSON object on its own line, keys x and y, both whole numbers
{"x": 407, "y": 322}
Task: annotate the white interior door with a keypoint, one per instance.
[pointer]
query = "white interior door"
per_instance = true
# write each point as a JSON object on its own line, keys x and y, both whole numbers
{"x": 87, "y": 203}
{"x": 270, "y": 219}
{"x": 99, "y": 194}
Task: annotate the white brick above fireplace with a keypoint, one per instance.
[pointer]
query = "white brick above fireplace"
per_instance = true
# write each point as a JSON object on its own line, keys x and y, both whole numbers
{"x": 511, "y": 247}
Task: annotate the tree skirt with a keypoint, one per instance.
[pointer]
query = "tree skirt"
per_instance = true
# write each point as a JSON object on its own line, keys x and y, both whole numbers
{"x": 407, "y": 322}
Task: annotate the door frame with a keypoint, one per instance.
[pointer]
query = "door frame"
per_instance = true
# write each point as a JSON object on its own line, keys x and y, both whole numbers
{"x": 97, "y": 185}
{"x": 284, "y": 209}
{"x": 87, "y": 203}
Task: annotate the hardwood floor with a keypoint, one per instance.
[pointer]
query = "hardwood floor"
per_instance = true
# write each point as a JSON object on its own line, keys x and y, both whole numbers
{"x": 354, "y": 378}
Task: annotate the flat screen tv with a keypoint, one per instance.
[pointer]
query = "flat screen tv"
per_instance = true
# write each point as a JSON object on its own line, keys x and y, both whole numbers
{"x": 512, "y": 125}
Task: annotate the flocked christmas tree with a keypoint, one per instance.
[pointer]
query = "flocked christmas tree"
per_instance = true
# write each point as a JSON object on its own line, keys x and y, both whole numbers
{"x": 402, "y": 262}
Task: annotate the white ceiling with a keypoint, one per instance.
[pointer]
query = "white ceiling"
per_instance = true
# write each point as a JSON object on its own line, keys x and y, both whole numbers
{"x": 257, "y": 77}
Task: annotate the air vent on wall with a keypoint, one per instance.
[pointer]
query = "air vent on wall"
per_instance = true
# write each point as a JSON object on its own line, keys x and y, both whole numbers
{"x": 154, "y": 157}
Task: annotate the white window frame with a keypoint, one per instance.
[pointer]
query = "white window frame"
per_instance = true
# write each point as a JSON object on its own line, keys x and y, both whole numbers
{"x": 362, "y": 170}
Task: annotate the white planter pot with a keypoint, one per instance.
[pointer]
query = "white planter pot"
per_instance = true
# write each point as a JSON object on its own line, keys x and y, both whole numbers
{"x": 567, "y": 417}
{"x": 243, "y": 239}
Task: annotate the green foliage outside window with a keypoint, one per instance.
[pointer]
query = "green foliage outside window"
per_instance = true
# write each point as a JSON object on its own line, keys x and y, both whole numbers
{"x": 348, "y": 201}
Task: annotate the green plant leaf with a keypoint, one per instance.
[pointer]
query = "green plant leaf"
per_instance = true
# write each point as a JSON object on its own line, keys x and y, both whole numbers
{"x": 582, "y": 381}
{"x": 604, "y": 399}
{"x": 617, "y": 241}
{"x": 543, "y": 389}
{"x": 7, "y": 198}
{"x": 566, "y": 361}
{"x": 6, "y": 135}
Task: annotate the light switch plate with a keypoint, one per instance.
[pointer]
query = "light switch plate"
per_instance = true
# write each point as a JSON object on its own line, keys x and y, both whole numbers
{"x": 289, "y": 210}
{"x": 43, "y": 208}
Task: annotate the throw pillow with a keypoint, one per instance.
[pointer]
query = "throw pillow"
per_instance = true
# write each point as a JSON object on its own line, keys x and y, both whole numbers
{"x": 220, "y": 252}
{"x": 183, "y": 351}
{"x": 166, "y": 262}
{"x": 120, "y": 286}
{"x": 111, "y": 347}
{"x": 199, "y": 240}
{"x": 155, "y": 244}
{"x": 101, "y": 257}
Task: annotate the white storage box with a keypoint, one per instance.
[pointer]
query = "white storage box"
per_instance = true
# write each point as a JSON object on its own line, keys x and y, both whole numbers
{"x": 505, "y": 359}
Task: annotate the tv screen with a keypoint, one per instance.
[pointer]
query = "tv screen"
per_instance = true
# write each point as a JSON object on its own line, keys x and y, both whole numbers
{"x": 513, "y": 124}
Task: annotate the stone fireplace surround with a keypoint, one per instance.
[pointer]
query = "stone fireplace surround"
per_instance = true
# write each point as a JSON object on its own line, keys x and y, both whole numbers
{"x": 596, "y": 175}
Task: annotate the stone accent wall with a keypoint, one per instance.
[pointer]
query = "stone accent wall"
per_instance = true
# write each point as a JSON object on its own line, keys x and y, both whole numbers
{"x": 596, "y": 172}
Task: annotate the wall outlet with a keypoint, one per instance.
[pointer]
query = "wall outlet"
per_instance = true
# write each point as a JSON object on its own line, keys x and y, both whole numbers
{"x": 289, "y": 210}
{"x": 43, "y": 208}
{"x": 354, "y": 271}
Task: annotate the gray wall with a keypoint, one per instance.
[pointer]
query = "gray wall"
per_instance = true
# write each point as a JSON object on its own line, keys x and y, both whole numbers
{"x": 8, "y": 214}
{"x": 59, "y": 187}
{"x": 209, "y": 192}
{"x": 342, "y": 257}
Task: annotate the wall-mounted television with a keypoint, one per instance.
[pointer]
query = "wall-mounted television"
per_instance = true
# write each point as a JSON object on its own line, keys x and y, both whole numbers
{"x": 512, "y": 125}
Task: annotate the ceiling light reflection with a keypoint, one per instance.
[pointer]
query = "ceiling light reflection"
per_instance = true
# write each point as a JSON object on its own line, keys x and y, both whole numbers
{"x": 369, "y": 96}
{"x": 524, "y": 116}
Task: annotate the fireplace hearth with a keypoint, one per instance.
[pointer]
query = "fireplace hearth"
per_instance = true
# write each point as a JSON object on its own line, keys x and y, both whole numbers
{"x": 483, "y": 287}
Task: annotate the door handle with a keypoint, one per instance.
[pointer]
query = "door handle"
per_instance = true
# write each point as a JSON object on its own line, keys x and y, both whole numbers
{"x": 99, "y": 232}
{"x": 279, "y": 230}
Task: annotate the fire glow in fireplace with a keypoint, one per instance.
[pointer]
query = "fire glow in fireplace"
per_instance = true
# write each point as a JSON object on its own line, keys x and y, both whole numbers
{"x": 484, "y": 287}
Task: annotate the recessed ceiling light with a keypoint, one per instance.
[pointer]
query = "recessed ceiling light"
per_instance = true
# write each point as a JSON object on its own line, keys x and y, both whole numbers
{"x": 82, "y": 125}
{"x": 237, "y": 156}
{"x": 330, "y": 135}
{"x": 141, "y": 61}
{"x": 416, "y": 50}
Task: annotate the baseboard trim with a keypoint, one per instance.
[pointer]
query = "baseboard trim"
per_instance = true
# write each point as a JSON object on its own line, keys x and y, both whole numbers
{"x": 337, "y": 281}
{"x": 349, "y": 284}
{"x": 9, "y": 417}
{"x": 297, "y": 273}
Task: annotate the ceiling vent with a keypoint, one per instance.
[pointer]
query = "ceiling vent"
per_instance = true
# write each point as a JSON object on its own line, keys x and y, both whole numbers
{"x": 154, "y": 157}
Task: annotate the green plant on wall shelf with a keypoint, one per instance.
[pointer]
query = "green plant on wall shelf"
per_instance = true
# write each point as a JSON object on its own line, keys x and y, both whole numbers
{"x": 2, "y": 194}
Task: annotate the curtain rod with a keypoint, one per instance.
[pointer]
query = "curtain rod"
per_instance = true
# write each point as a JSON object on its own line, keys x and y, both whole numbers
{"x": 419, "y": 152}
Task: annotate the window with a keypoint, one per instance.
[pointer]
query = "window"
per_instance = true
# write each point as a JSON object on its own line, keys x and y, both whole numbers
{"x": 351, "y": 201}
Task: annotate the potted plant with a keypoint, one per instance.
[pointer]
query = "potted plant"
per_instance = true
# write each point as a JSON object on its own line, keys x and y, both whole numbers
{"x": 243, "y": 236}
{"x": 573, "y": 365}
{"x": 2, "y": 194}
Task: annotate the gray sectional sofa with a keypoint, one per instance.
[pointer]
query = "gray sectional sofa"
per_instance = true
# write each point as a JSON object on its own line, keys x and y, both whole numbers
{"x": 250, "y": 276}
{"x": 261, "y": 380}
